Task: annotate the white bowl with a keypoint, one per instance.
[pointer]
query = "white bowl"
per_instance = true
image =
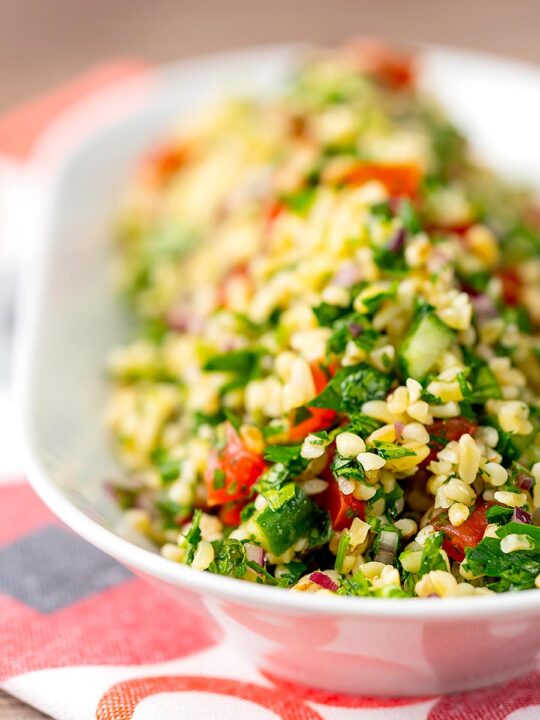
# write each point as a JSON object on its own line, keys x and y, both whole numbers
{"x": 72, "y": 318}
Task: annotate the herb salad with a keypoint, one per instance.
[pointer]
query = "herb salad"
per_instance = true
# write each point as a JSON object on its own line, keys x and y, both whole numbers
{"x": 333, "y": 381}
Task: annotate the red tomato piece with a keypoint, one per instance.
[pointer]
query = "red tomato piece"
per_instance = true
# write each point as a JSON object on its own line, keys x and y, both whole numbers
{"x": 240, "y": 272}
{"x": 232, "y": 471}
{"x": 388, "y": 67}
{"x": 398, "y": 178}
{"x": 230, "y": 513}
{"x": 320, "y": 377}
{"x": 319, "y": 418}
{"x": 456, "y": 229}
{"x": 163, "y": 162}
{"x": 466, "y": 535}
{"x": 273, "y": 211}
{"x": 511, "y": 285}
{"x": 342, "y": 508}
{"x": 444, "y": 431}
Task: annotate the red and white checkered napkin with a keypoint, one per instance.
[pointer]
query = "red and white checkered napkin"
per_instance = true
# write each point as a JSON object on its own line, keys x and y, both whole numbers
{"x": 82, "y": 638}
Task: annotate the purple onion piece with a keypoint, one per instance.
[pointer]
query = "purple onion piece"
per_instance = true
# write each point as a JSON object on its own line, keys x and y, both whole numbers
{"x": 346, "y": 276}
{"x": 356, "y": 329}
{"x": 397, "y": 242}
{"x": 524, "y": 481}
{"x": 398, "y": 427}
{"x": 388, "y": 546}
{"x": 484, "y": 307}
{"x": 319, "y": 578}
{"x": 178, "y": 320}
{"x": 255, "y": 554}
{"x": 521, "y": 516}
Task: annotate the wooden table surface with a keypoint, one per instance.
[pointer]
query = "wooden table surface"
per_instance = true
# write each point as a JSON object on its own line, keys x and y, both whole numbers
{"x": 45, "y": 43}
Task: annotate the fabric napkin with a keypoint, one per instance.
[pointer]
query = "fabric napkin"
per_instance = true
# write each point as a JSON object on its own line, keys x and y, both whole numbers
{"x": 82, "y": 638}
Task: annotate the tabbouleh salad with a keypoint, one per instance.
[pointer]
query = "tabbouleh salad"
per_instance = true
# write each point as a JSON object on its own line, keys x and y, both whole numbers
{"x": 333, "y": 382}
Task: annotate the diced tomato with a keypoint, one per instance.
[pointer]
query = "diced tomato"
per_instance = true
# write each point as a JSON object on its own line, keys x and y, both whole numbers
{"x": 319, "y": 418}
{"x": 162, "y": 163}
{"x": 224, "y": 288}
{"x": 511, "y": 285}
{"x": 273, "y": 211}
{"x": 232, "y": 471}
{"x": 398, "y": 178}
{"x": 342, "y": 508}
{"x": 388, "y": 67}
{"x": 456, "y": 229}
{"x": 230, "y": 513}
{"x": 444, "y": 431}
{"x": 466, "y": 535}
{"x": 320, "y": 377}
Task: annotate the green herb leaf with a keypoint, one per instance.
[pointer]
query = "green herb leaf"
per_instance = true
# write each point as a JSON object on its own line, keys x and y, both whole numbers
{"x": 498, "y": 514}
{"x": 193, "y": 536}
{"x": 327, "y": 314}
{"x": 233, "y": 418}
{"x": 391, "y": 451}
{"x": 431, "y": 555}
{"x": 344, "y": 541}
{"x": 357, "y": 585}
{"x": 355, "y": 327}
{"x": 353, "y": 386}
{"x": 347, "y": 467}
{"x": 246, "y": 365}
{"x": 293, "y": 572}
{"x": 300, "y": 200}
{"x": 362, "y": 425}
{"x": 230, "y": 558}
{"x": 381, "y": 210}
{"x": 517, "y": 528}
{"x": 409, "y": 217}
{"x": 282, "y": 453}
{"x": 237, "y": 361}
{"x": 511, "y": 571}
{"x": 219, "y": 479}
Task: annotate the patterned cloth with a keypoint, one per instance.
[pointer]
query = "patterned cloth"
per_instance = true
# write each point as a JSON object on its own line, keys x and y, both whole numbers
{"x": 82, "y": 638}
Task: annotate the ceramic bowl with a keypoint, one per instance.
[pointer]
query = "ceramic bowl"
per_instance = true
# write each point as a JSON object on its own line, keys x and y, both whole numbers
{"x": 71, "y": 318}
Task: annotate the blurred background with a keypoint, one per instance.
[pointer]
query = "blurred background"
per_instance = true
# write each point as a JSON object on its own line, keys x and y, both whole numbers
{"x": 45, "y": 42}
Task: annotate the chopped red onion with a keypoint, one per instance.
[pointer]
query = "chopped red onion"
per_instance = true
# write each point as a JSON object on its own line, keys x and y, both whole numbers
{"x": 347, "y": 275}
{"x": 484, "y": 307}
{"x": 231, "y": 344}
{"x": 178, "y": 320}
{"x": 319, "y": 578}
{"x": 397, "y": 242}
{"x": 521, "y": 516}
{"x": 356, "y": 329}
{"x": 524, "y": 481}
{"x": 398, "y": 427}
{"x": 254, "y": 553}
{"x": 181, "y": 320}
{"x": 388, "y": 546}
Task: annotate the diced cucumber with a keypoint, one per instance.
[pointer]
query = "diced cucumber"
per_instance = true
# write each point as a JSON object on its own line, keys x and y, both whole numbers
{"x": 424, "y": 344}
{"x": 298, "y": 517}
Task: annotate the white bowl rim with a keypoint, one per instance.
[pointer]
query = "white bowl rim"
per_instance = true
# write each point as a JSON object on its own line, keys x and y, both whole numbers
{"x": 140, "y": 559}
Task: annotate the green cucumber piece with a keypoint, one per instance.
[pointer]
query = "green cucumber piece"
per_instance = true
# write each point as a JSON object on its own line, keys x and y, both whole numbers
{"x": 424, "y": 344}
{"x": 298, "y": 517}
